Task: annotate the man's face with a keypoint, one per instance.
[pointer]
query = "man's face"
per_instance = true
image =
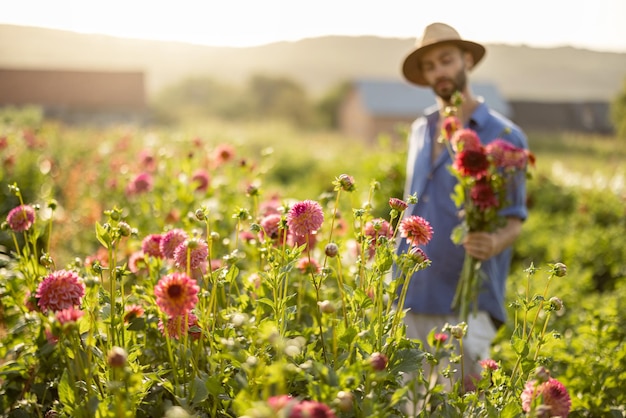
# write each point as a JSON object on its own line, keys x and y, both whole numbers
{"x": 445, "y": 69}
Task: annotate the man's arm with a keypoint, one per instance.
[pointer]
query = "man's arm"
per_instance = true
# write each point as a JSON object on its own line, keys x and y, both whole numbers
{"x": 484, "y": 245}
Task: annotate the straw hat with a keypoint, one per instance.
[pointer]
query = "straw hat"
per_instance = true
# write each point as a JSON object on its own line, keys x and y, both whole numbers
{"x": 436, "y": 34}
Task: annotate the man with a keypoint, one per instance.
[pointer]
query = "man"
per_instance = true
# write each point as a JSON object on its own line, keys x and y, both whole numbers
{"x": 442, "y": 61}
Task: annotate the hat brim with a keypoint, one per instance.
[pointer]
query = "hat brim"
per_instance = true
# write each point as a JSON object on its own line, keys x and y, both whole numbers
{"x": 411, "y": 66}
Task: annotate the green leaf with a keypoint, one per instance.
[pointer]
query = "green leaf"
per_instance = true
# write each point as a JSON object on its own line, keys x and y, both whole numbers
{"x": 199, "y": 391}
{"x": 512, "y": 410}
{"x": 103, "y": 235}
{"x": 66, "y": 392}
{"x": 519, "y": 346}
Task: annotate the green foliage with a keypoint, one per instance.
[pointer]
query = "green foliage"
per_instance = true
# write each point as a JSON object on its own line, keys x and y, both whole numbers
{"x": 262, "y": 332}
{"x": 618, "y": 111}
{"x": 264, "y": 97}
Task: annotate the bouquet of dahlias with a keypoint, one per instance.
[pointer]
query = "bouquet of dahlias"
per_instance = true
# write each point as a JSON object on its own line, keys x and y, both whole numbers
{"x": 483, "y": 173}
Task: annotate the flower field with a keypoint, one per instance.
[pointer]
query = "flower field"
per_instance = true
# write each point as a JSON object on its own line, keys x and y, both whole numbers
{"x": 244, "y": 271}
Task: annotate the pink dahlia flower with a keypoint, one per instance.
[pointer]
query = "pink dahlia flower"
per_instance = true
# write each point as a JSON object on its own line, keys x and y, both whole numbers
{"x": 374, "y": 229}
{"x": 197, "y": 249}
{"x": 440, "y": 337}
{"x": 142, "y": 183}
{"x": 170, "y": 240}
{"x": 311, "y": 409}
{"x": 506, "y": 155}
{"x": 307, "y": 266}
{"x": 68, "y": 315}
{"x": 176, "y": 294}
{"x": 21, "y": 218}
{"x": 224, "y": 153}
{"x": 489, "y": 364}
{"x": 305, "y": 217}
{"x": 175, "y": 326}
{"x": 270, "y": 228}
{"x": 416, "y": 230}
{"x": 151, "y": 245}
{"x": 62, "y": 289}
{"x": 465, "y": 140}
{"x": 131, "y": 312}
{"x": 201, "y": 178}
{"x": 551, "y": 395}
{"x": 472, "y": 162}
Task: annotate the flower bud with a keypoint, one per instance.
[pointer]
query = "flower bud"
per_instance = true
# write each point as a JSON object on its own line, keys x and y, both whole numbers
{"x": 326, "y": 306}
{"x": 378, "y": 361}
{"x": 556, "y": 304}
{"x": 346, "y": 182}
{"x": 117, "y": 357}
{"x": 345, "y": 400}
{"x": 200, "y": 215}
{"x": 559, "y": 269}
{"x": 397, "y": 204}
{"x": 124, "y": 229}
{"x": 458, "y": 331}
{"x": 542, "y": 374}
{"x": 331, "y": 249}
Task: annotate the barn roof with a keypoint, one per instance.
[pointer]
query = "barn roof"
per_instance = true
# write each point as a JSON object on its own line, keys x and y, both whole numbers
{"x": 400, "y": 99}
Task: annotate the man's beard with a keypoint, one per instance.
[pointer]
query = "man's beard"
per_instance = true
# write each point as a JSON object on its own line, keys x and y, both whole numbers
{"x": 455, "y": 84}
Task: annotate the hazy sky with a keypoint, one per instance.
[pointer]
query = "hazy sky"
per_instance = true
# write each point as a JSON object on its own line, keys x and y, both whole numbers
{"x": 597, "y": 24}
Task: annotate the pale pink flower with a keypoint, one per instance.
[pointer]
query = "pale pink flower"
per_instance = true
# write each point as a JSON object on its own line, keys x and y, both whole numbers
{"x": 147, "y": 160}
{"x": 170, "y": 240}
{"x": 489, "y": 364}
{"x": 416, "y": 230}
{"x": 305, "y": 217}
{"x": 137, "y": 262}
{"x": 465, "y": 140}
{"x": 223, "y": 153}
{"x": 311, "y": 409}
{"x": 270, "y": 228}
{"x": 308, "y": 240}
{"x": 307, "y": 266}
{"x": 62, "y": 289}
{"x": 176, "y": 294}
{"x": 21, "y": 218}
{"x": 201, "y": 178}
{"x": 68, "y": 315}
{"x": 551, "y": 394}
{"x": 151, "y": 245}
{"x": 142, "y": 183}
{"x": 374, "y": 229}
{"x": 174, "y": 326}
{"x": 198, "y": 250}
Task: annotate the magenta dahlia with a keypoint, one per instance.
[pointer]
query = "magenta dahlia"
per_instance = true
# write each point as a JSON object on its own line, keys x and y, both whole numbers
{"x": 305, "y": 217}
{"x": 151, "y": 245}
{"x": 170, "y": 240}
{"x": 21, "y": 218}
{"x": 196, "y": 248}
{"x": 62, "y": 289}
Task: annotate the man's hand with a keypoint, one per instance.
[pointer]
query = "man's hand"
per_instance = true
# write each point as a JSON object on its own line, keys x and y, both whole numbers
{"x": 484, "y": 245}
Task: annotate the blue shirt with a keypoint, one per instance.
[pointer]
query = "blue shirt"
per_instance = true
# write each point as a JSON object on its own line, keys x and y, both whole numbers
{"x": 432, "y": 289}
